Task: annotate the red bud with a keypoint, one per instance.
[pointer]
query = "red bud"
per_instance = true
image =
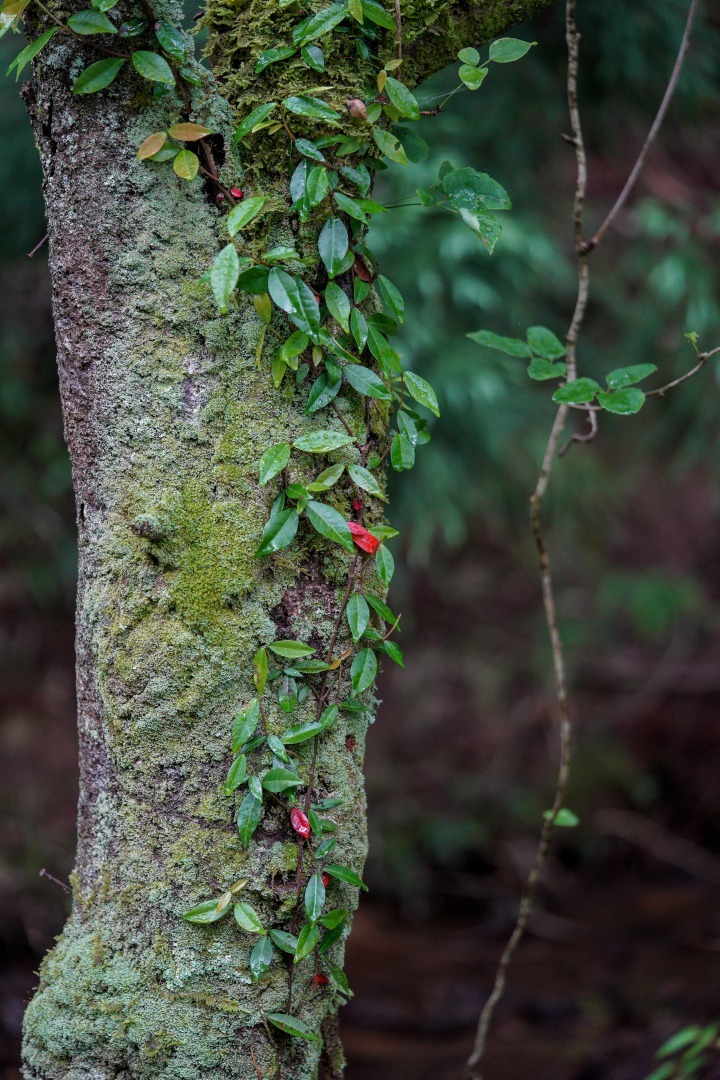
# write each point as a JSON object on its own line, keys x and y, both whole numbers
{"x": 364, "y": 539}
{"x": 236, "y": 193}
{"x": 326, "y": 880}
{"x": 357, "y": 504}
{"x": 320, "y": 980}
{"x": 299, "y": 822}
{"x": 219, "y": 197}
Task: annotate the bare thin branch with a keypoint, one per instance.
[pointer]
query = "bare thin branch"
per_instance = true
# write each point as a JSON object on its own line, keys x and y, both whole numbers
{"x": 702, "y": 361}
{"x": 656, "y": 125}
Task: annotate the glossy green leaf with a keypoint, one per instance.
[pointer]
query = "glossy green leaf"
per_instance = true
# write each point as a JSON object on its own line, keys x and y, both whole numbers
{"x": 279, "y": 532}
{"x": 237, "y": 774}
{"x": 322, "y": 442}
{"x": 366, "y": 382}
{"x": 376, "y": 13}
{"x": 186, "y": 165}
{"x": 308, "y": 938}
{"x": 152, "y": 66}
{"x": 576, "y": 392}
{"x": 357, "y": 613}
{"x": 300, "y": 733}
{"x": 284, "y": 941}
{"x": 261, "y": 957}
{"x": 624, "y": 402}
{"x": 204, "y": 913}
{"x": 317, "y": 186}
{"x": 91, "y": 22}
{"x": 97, "y": 76}
{"x": 469, "y": 56}
{"x": 349, "y": 877}
{"x": 309, "y": 150}
{"x": 506, "y": 50}
{"x": 404, "y": 101}
{"x": 327, "y": 478}
{"x": 224, "y": 273}
{"x": 626, "y": 376}
{"x": 402, "y": 453}
{"x": 350, "y": 207}
{"x": 255, "y": 787}
{"x": 251, "y": 121}
{"x": 544, "y": 343}
{"x": 315, "y": 108}
{"x": 290, "y": 649}
{"x": 541, "y": 369}
{"x": 295, "y": 298}
{"x": 365, "y": 480}
{"x": 292, "y": 1026}
{"x": 313, "y": 57}
{"x": 274, "y": 461}
{"x": 422, "y": 392}
{"x": 172, "y": 40}
{"x": 391, "y": 297}
{"x": 484, "y": 225}
{"x": 242, "y": 214}
{"x": 30, "y": 51}
{"x": 333, "y": 244}
{"x": 245, "y": 724}
{"x": 247, "y": 917}
{"x": 385, "y": 564}
{"x": 333, "y": 918}
{"x": 472, "y": 76}
{"x": 363, "y": 671}
{"x": 277, "y": 780}
{"x": 320, "y": 23}
{"x": 380, "y": 607}
{"x": 469, "y": 189}
{"x": 329, "y": 523}
{"x": 510, "y": 346}
{"x": 248, "y": 818}
{"x": 272, "y": 56}
{"x": 338, "y": 304}
{"x": 314, "y": 897}
{"x": 390, "y": 146}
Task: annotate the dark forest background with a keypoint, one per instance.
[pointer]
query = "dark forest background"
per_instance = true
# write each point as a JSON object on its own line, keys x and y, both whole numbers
{"x": 625, "y": 946}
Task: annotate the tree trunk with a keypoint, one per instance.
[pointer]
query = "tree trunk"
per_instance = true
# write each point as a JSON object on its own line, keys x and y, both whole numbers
{"x": 167, "y": 412}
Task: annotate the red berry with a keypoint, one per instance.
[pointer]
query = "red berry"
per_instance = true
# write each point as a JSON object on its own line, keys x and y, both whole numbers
{"x": 320, "y": 980}
{"x": 364, "y": 539}
{"x": 299, "y": 822}
{"x": 236, "y": 193}
{"x": 357, "y": 504}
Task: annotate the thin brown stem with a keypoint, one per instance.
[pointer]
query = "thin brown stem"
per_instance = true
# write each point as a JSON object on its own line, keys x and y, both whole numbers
{"x": 55, "y": 881}
{"x": 254, "y": 1061}
{"x": 39, "y": 245}
{"x": 572, "y": 38}
{"x": 656, "y": 125}
{"x": 702, "y": 361}
{"x": 398, "y": 25}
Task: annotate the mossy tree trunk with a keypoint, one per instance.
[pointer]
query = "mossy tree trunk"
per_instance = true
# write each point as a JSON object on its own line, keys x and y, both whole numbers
{"x": 166, "y": 415}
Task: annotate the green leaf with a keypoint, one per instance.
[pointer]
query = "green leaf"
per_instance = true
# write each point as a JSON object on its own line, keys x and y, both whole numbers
{"x": 329, "y": 523}
{"x": 358, "y": 615}
{"x": 679, "y": 1041}
{"x": 359, "y": 176}
{"x": 188, "y": 132}
{"x": 626, "y": 376}
{"x": 255, "y": 786}
{"x": 487, "y": 227}
{"x": 472, "y": 76}
{"x": 322, "y": 442}
{"x": 278, "y": 749}
{"x": 152, "y": 66}
{"x": 405, "y": 102}
{"x": 204, "y": 913}
{"x": 319, "y": 24}
{"x": 623, "y": 402}
{"x": 314, "y": 897}
{"x": 237, "y": 774}
{"x": 91, "y": 22}
{"x": 355, "y": 9}
{"x": 564, "y": 818}
{"x": 469, "y": 56}
{"x": 505, "y": 50}
{"x": 333, "y": 918}
{"x": 363, "y": 671}
{"x": 292, "y": 1026}
{"x": 329, "y": 939}
{"x": 295, "y": 345}
{"x": 366, "y": 382}
{"x": 242, "y": 214}
{"x": 308, "y": 938}
{"x": 171, "y": 39}
{"x": 385, "y": 565}
{"x": 224, "y": 273}
{"x": 313, "y": 57}
{"x": 544, "y": 343}
{"x": 97, "y": 76}
{"x": 31, "y": 51}
{"x": 365, "y": 480}
{"x": 316, "y": 186}
{"x": 277, "y": 780}
{"x": 295, "y": 298}
{"x": 402, "y": 453}
{"x": 388, "y": 145}
{"x": 248, "y": 919}
{"x": 337, "y": 304}
{"x": 421, "y": 391}
{"x": 271, "y": 56}
{"x": 333, "y": 244}
{"x": 274, "y": 461}
{"x": 380, "y": 608}
{"x": 376, "y": 13}
{"x": 248, "y": 818}
{"x": 358, "y": 328}
{"x": 351, "y": 207}
{"x": 261, "y": 957}
{"x": 252, "y": 120}
{"x": 291, "y": 649}
{"x": 284, "y": 941}
{"x": 327, "y": 478}
{"x": 279, "y": 532}
{"x": 576, "y": 392}
{"x": 244, "y": 724}
{"x": 510, "y": 346}
{"x": 315, "y": 108}
{"x": 186, "y": 165}
{"x": 394, "y": 652}
{"x": 541, "y": 369}
{"x": 308, "y": 150}
{"x": 471, "y": 190}
{"x": 342, "y": 873}
{"x": 391, "y": 297}
{"x": 325, "y": 848}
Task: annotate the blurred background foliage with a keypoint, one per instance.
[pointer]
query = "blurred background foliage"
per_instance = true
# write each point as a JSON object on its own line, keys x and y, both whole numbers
{"x": 461, "y": 760}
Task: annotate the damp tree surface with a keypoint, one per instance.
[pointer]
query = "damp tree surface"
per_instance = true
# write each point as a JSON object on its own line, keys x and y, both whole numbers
{"x": 231, "y": 401}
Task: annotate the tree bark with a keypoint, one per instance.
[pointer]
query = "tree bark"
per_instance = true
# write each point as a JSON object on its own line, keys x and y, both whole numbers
{"x": 167, "y": 412}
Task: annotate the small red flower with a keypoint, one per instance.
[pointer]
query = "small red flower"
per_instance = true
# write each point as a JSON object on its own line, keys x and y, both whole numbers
{"x": 320, "y": 980}
{"x": 299, "y": 822}
{"x": 219, "y": 197}
{"x": 326, "y": 880}
{"x": 364, "y": 539}
{"x": 236, "y": 193}
{"x": 357, "y": 504}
